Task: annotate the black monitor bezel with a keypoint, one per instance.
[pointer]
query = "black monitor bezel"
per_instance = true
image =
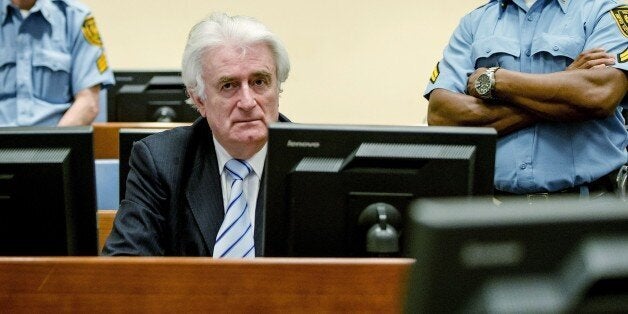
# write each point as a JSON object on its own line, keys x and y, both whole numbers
{"x": 476, "y": 243}
{"x": 82, "y": 240}
{"x": 331, "y": 138}
{"x": 152, "y": 98}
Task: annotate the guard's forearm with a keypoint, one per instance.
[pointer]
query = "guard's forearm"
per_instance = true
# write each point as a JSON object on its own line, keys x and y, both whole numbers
{"x": 84, "y": 109}
{"x": 455, "y": 109}
{"x": 563, "y": 96}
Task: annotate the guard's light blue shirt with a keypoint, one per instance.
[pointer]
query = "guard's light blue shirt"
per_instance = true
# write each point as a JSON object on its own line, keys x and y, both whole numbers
{"x": 45, "y": 59}
{"x": 545, "y": 38}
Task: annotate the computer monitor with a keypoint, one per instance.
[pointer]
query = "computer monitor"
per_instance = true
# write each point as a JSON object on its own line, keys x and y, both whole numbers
{"x": 562, "y": 255}
{"x": 47, "y": 192}
{"x": 126, "y": 139}
{"x": 342, "y": 190}
{"x": 148, "y": 96}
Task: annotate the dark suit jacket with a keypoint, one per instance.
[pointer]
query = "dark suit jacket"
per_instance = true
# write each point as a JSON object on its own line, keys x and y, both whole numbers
{"x": 173, "y": 204}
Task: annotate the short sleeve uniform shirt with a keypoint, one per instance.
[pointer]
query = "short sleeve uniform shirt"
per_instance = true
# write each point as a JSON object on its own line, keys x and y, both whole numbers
{"x": 545, "y": 38}
{"x": 45, "y": 59}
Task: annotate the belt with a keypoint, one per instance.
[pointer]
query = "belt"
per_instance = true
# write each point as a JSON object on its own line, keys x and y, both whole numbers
{"x": 537, "y": 197}
{"x": 602, "y": 187}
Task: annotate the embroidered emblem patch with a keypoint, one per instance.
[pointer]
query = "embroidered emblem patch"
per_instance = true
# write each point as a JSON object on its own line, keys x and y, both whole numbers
{"x": 620, "y": 14}
{"x": 101, "y": 63}
{"x": 622, "y": 56}
{"x": 90, "y": 31}
{"x": 435, "y": 73}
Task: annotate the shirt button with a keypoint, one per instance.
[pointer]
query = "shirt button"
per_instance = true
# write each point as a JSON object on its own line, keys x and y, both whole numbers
{"x": 530, "y": 18}
{"x": 523, "y": 166}
{"x": 528, "y": 53}
{"x": 488, "y": 50}
{"x": 555, "y": 48}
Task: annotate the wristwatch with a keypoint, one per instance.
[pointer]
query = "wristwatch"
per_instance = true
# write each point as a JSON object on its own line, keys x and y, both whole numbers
{"x": 485, "y": 83}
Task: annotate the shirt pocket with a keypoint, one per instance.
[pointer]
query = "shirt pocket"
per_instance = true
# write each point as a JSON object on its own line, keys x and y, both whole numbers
{"x": 556, "y": 52}
{"x": 8, "y": 79}
{"x": 51, "y": 76}
{"x": 495, "y": 51}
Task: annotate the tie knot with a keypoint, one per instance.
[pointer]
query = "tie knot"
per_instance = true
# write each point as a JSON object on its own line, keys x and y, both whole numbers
{"x": 238, "y": 169}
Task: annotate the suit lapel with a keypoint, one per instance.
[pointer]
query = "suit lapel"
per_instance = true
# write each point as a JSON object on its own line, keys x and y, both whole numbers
{"x": 204, "y": 192}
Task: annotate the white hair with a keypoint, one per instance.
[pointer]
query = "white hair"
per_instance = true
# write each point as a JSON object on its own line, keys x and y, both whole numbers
{"x": 218, "y": 30}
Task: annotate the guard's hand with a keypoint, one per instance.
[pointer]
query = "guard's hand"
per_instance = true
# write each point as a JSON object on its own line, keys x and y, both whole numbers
{"x": 471, "y": 81}
{"x": 592, "y": 59}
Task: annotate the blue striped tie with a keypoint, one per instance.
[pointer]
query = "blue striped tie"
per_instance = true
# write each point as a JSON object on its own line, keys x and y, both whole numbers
{"x": 235, "y": 237}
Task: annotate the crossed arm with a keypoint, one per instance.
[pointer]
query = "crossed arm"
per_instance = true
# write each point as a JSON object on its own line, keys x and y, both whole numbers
{"x": 587, "y": 89}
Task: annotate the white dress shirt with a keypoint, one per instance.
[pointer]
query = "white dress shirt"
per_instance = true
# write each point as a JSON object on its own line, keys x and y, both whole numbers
{"x": 251, "y": 183}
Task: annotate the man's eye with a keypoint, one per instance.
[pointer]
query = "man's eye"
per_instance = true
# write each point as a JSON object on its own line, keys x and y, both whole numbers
{"x": 228, "y": 86}
{"x": 259, "y": 82}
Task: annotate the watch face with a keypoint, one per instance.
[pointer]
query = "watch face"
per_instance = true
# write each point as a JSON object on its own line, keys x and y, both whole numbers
{"x": 483, "y": 84}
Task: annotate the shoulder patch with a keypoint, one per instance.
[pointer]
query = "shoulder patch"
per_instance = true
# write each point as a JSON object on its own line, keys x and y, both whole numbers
{"x": 620, "y": 15}
{"x": 101, "y": 63}
{"x": 435, "y": 73}
{"x": 622, "y": 57}
{"x": 90, "y": 31}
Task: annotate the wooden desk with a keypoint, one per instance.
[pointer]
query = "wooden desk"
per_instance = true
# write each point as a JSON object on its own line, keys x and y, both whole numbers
{"x": 181, "y": 285}
{"x": 105, "y": 223}
{"x": 106, "y": 135}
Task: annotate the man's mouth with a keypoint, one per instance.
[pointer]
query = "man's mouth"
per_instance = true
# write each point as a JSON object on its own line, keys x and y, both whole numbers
{"x": 246, "y": 120}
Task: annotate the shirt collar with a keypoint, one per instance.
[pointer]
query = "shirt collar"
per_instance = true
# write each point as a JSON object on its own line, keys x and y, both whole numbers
{"x": 45, "y": 6}
{"x": 4, "y": 11}
{"x": 564, "y": 4}
{"x": 503, "y": 4}
{"x": 257, "y": 161}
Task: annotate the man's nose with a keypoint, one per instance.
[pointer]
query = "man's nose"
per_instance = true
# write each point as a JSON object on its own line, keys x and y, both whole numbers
{"x": 247, "y": 98}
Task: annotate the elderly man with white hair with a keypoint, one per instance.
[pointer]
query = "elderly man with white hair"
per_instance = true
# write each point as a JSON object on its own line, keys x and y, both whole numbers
{"x": 195, "y": 190}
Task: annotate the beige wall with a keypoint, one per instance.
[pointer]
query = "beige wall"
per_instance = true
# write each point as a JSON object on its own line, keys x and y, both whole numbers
{"x": 358, "y": 62}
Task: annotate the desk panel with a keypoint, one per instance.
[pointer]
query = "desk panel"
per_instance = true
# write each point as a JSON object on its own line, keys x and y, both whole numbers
{"x": 105, "y": 223}
{"x": 106, "y": 138}
{"x": 131, "y": 284}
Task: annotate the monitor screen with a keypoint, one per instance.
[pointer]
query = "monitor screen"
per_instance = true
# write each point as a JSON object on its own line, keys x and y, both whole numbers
{"x": 149, "y": 96}
{"x": 561, "y": 255}
{"x": 343, "y": 190}
{"x": 47, "y": 192}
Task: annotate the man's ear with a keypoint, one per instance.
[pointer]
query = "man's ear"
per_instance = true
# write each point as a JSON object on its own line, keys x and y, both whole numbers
{"x": 198, "y": 103}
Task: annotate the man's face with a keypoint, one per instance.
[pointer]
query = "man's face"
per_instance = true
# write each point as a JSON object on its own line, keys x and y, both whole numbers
{"x": 242, "y": 97}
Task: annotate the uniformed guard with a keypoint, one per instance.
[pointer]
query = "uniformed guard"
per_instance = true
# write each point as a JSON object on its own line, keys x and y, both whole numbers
{"x": 509, "y": 65}
{"x": 52, "y": 63}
